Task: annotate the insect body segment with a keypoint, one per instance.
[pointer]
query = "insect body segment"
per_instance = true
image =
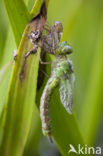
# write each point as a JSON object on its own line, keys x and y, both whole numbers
{"x": 62, "y": 76}
{"x": 44, "y": 106}
{"x": 51, "y": 40}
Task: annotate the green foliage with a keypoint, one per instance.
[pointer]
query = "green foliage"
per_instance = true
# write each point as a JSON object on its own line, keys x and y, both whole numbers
{"x": 20, "y": 130}
{"x": 18, "y": 16}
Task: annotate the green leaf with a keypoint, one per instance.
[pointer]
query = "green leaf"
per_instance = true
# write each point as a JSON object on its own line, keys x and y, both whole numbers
{"x": 32, "y": 144}
{"x": 7, "y": 57}
{"x": 3, "y": 71}
{"x": 93, "y": 100}
{"x": 4, "y": 74}
{"x": 30, "y": 4}
{"x": 37, "y": 6}
{"x": 18, "y": 16}
{"x": 3, "y": 30}
{"x": 20, "y": 102}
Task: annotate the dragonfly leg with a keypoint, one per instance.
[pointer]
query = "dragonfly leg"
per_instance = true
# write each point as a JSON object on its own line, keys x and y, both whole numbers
{"x": 47, "y": 27}
{"x": 41, "y": 59}
{"x": 44, "y": 73}
{"x": 32, "y": 51}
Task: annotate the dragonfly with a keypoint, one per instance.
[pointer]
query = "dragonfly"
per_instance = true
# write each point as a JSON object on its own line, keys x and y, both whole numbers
{"x": 48, "y": 42}
{"x": 62, "y": 76}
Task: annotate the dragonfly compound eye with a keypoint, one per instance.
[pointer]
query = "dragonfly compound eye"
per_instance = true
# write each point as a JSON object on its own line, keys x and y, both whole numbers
{"x": 64, "y": 49}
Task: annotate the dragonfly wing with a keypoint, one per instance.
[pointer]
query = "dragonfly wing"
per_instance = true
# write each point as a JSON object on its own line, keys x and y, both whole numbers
{"x": 66, "y": 93}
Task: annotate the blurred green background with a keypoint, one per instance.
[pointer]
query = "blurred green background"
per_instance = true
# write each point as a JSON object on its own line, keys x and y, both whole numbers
{"x": 83, "y": 29}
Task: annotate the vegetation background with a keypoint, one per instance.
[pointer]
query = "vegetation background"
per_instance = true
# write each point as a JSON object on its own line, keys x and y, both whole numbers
{"x": 20, "y": 125}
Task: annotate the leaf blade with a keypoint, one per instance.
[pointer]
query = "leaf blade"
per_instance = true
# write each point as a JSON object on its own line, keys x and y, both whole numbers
{"x": 18, "y": 17}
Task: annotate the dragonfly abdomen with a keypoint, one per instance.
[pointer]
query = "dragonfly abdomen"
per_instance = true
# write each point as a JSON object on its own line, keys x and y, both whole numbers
{"x": 45, "y": 103}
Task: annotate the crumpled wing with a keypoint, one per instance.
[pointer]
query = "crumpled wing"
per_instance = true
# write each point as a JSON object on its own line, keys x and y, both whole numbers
{"x": 66, "y": 93}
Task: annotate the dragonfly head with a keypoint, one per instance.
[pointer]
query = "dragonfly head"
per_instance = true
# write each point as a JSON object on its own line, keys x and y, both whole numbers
{"x": 64, "y": 49}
